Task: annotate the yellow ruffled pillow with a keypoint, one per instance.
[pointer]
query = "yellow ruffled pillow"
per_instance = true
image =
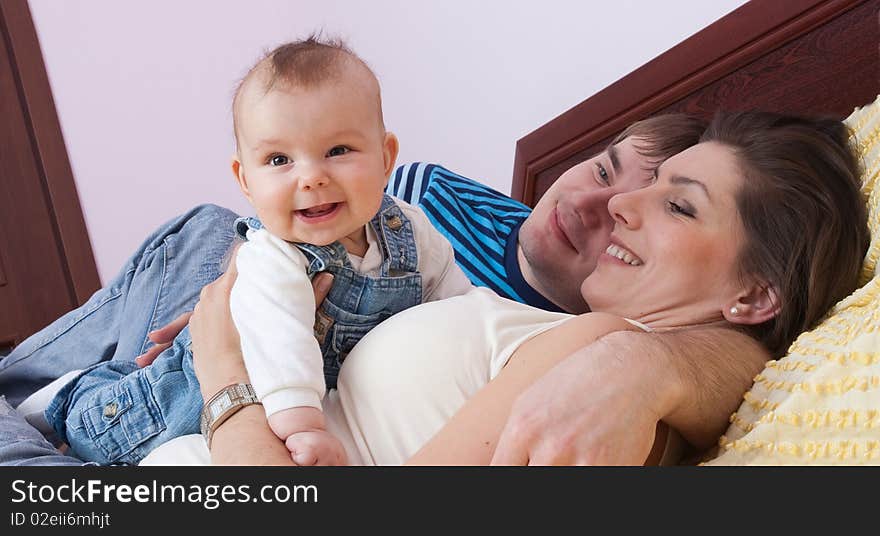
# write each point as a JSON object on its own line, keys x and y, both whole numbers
{"x": 820, "y": 404}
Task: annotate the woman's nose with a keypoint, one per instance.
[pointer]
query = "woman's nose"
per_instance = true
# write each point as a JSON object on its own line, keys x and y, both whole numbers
{"x": 624, "y": 209}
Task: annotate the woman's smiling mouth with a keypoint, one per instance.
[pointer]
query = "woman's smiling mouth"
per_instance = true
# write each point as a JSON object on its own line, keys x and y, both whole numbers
{"x": 623, "y": 254}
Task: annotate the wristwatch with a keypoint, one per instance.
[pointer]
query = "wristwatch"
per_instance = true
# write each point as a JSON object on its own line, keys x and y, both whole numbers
{"x": 225, "y": 404}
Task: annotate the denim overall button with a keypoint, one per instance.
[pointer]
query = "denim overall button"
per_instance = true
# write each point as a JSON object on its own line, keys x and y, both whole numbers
{"x": 394, "y": 222}
{"x": 110, "y": 410}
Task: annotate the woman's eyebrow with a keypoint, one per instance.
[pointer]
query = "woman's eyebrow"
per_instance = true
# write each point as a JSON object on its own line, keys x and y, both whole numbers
{"x": 687, "y": 181}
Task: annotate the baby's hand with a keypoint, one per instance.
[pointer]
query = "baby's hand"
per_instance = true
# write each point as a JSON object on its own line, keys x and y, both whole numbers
{"x": 306, "y": 437}
{"x": 315, "y": 447}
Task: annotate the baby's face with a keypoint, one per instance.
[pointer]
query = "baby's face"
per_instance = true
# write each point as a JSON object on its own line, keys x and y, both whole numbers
{"x": 314, "y": 162}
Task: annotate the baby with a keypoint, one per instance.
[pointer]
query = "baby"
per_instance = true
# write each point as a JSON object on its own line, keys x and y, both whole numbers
{"x": 313, "y": 159}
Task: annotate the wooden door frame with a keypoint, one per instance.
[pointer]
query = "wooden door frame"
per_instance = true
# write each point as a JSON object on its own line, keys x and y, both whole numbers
{"x": 50, "y": 153}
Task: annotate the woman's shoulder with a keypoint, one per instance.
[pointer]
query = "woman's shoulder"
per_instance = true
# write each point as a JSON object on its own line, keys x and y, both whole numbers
{"x": 559, "y": 339}
{"x": 596, "y": 324}
{"x": 582, "y": 330}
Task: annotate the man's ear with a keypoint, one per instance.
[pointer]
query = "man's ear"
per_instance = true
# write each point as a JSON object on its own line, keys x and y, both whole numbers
{"x": 238, "y": 171}
{"x": 756, "y": 305}
{"x": 390, "y": 148}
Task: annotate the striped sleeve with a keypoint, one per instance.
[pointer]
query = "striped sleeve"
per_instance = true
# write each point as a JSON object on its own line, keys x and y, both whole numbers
{"x": 475, "y": 218}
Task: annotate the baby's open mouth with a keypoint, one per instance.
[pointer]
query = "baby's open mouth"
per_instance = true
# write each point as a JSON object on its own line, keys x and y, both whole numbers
{"x": 318, "y": 210}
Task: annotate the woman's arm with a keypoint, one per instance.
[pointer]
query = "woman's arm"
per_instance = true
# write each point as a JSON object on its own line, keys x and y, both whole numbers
{"x": 471, "y": 436}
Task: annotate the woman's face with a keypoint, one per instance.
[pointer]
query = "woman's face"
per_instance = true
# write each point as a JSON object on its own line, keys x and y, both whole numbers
{"x": 674, "y": 247}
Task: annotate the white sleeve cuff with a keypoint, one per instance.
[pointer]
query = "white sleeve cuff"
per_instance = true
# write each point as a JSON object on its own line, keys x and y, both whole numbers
{"x": 290, "y": 397}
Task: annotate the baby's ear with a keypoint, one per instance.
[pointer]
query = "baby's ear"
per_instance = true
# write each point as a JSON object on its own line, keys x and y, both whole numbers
{"x": 390, "y": 148}
{"x": 755, "y": 305}
{"x": 238, "y": 172}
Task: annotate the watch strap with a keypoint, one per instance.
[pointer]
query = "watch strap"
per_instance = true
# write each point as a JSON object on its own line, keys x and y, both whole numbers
{"x": 224, "y": 404}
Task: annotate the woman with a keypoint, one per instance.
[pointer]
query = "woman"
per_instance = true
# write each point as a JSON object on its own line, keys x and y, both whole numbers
{"x": 760, "y": 228}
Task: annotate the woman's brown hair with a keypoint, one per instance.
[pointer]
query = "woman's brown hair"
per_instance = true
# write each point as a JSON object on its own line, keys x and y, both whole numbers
{"x": 804, "y": 217}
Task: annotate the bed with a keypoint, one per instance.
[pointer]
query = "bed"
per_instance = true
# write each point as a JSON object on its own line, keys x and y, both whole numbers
{"x": 806, "y": 56}
{"x": 820, "y": 404}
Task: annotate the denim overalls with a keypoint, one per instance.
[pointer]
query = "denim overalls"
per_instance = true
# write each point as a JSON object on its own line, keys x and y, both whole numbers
{"x": 115, "y": 412}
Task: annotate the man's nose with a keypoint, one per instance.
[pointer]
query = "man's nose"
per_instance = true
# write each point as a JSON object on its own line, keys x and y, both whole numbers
{"x": 592, "y": 207}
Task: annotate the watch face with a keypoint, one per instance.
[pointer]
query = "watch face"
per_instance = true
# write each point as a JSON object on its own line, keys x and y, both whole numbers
{"x": 220, "y": 405}
{"x": 224, "y": 404}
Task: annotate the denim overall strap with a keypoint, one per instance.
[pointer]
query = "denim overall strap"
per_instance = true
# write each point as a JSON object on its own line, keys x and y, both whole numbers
{"x": 331, "y": 257}
{"x": 320, "y": 258}
{"x": 396, "y": 238}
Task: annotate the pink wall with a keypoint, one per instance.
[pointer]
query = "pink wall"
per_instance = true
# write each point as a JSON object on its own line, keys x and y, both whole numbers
{"x": 143, "y": 88}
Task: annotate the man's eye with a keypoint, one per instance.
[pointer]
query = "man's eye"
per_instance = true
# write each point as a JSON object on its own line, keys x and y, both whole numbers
{"x": 603, "y": 173}
{"x": 278, "y": 160}
{"x": 339, "y": 150}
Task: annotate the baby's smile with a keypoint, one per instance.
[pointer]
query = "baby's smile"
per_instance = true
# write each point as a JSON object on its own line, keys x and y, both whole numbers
{"x": 319, "y": 213}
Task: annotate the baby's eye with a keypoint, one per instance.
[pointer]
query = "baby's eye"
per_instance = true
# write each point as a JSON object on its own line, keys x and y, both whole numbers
{"x": 339, "y": 150}
{"x": 278, "y": 160}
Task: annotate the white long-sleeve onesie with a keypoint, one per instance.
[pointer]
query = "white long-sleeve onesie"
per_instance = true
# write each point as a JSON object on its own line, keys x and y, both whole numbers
{"x": 273, "y": 307}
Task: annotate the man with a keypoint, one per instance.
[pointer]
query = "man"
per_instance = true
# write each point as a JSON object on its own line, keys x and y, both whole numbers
{"x": 691, "y": 380}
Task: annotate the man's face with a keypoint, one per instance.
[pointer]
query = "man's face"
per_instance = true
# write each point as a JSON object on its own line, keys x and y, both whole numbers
{"x": 563, "y": 237}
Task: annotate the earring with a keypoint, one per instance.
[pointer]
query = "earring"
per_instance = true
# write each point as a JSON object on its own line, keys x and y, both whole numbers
{"x": 734, "y": 311}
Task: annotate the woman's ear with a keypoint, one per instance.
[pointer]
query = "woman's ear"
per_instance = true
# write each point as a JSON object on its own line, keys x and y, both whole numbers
{"x": 757, "y": 305}
{"x": 390, "y": 148}
{"x": 238, "y": 171}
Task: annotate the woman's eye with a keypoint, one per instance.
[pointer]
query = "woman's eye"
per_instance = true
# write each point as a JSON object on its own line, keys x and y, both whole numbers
{"x": 278, "y": 160}
{"x": 339, "y": 150}
{"x": 603, "y": 173}
{"x": 675, "y": 208}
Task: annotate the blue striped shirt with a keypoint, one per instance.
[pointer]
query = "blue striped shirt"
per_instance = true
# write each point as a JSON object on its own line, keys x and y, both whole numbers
{"x": 481, "y": 223}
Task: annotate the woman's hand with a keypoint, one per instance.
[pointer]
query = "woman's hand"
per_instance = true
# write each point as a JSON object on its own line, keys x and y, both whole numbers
{"x": 216, "y": 348}
{"x": 164, "y": 336}
{"x": 217, "y": 359}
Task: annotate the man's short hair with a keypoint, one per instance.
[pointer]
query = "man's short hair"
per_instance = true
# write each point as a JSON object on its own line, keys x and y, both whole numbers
{"x": 664, "y": 135}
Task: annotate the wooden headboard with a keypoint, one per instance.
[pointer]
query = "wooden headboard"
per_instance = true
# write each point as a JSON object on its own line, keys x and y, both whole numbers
{"x": 796, "y": 56}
